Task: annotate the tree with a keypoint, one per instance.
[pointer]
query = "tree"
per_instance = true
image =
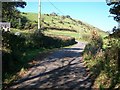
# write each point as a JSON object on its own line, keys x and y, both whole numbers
{"x": 10, "y": 12}
{"x": 115, "y": 9}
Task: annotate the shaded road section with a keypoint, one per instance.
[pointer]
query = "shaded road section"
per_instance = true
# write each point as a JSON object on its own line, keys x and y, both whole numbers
{"x": 63, "y": 68}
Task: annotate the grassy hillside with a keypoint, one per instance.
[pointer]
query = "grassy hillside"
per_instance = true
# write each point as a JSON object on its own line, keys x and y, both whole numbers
{"x": 55, "y": 24}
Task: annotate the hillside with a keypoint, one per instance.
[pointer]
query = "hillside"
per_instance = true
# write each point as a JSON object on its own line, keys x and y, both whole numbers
{"x": 58, "y": 24}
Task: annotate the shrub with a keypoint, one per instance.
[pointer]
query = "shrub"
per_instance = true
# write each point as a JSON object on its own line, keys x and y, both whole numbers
{"x": 47, "y": 15}
{"x": 48, "y": 41}
{"x": 106, "y": 61}
{"x": 86, "y": 37}
{"x": 68, "y": 16}
{"x": 34, "y": 26}
{"x": 24, "y": 13}
{"x": 27, "y": 25}
{"x": 63, "y": 17}
{"x": 14, "y": 47}
{"x": 113, "y": 50}
{"x": 95, "y": 44}
{"x": 53, "y": 14}
{"x": 61, "y": 22}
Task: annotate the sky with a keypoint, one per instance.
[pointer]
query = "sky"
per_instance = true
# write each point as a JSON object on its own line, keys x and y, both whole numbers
{"x": 92, "y": 12}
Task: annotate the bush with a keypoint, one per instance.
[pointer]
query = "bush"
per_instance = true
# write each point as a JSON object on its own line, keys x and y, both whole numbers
{"x": 113, "y": 52}
{"x": 86, "y": 37}
{"x": 67, "y": 16}
{"x": 34, "y": 26}
{"x": 106, "y": 61}
{"x": 61, "y": 22}
{"x": 27, "y": 25}
{"x": 95, "y": 44}
{"x": 63, "y": 17}
{"x": 48, "y": 41}
{"x": 14, "y": 47}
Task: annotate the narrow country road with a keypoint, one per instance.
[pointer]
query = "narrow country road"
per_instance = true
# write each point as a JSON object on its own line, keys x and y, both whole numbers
{"x": 61, "y": 69}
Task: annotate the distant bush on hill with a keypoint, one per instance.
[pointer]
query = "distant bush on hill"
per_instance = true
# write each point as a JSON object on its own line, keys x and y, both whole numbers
{"x": 24, "y": 13}
{"x": 53, "y": 14}
{"x": 68, "y": 16}
{"x": 63, "y": 17}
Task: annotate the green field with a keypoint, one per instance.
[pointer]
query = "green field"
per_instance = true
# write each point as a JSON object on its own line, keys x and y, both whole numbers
{"x": 82, "y": 31}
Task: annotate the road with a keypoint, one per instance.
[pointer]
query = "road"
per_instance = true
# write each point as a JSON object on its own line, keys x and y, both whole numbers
{"x": 63, "y": 68}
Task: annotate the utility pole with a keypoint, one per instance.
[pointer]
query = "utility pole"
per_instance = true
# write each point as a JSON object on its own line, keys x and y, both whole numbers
{"x": 39, "y": 14}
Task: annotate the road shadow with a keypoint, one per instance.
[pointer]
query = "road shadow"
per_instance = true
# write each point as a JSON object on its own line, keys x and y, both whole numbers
{"x": 68, "y": 76}
{"x": 58, "y": 55}
{"x": 61, "y": 69}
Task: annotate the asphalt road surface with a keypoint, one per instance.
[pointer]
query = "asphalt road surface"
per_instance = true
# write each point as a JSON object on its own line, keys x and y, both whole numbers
{"x": 63, "y": 68}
